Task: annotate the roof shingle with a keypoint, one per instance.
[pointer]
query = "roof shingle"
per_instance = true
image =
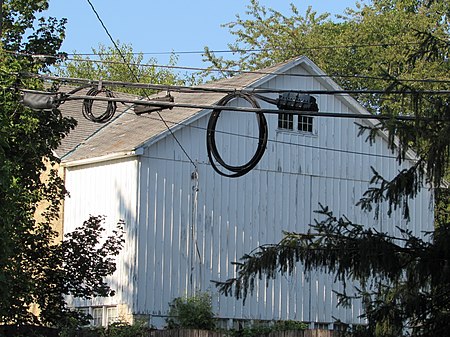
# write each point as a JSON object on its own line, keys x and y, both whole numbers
{"x": 127, "y": 131}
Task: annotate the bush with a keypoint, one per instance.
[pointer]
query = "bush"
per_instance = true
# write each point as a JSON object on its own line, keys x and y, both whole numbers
{"x": 121, "y": 329}
{"x": 118, "y": 329}
{"x": 265, "y": 328}
{"x": 191, "y": 313}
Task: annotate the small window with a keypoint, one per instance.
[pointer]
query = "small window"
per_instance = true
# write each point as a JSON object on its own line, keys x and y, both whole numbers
{"x": 84, "y": 311}
{"x": 101, "y": 316}
{"x": 97, "y": 316}
{"x": 305, "y": 123}
{"x": 111, "y": 315}
{"x": 286, "y": 121}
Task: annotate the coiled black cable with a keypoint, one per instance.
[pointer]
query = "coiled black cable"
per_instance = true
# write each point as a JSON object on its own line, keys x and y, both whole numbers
{"x": 87, "y": 106}
{"x": 211, "y": 146}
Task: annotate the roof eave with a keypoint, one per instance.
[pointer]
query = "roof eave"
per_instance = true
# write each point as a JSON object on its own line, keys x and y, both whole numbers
{"x": 109, "y": 157}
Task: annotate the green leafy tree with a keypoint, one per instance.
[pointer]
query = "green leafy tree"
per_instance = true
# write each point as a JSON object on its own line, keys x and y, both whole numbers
{"x": 405, "y": 281}
{"x": 34, "y": 267}
{"x": 360, "y": 49}
{"x": 123, "y": 65}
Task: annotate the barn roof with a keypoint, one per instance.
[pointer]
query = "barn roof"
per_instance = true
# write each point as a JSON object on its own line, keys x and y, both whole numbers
{"x": 127, "y": 131}
{"x": 84, "y": 128}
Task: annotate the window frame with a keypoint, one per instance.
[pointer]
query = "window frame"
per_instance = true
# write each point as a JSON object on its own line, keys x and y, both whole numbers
{"x": 305, "y": 123}
{"x": 286, "y": 121}
{"x": 102, "y": 315}
{"x": 298, "y": 123}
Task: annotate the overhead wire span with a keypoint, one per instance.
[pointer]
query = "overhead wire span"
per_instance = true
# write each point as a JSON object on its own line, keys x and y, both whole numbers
{"x": 211, "y": 145}
{"x": 235, "y": 71}
{"x": 200, "y": 88}
{"x": 137, "y": 80}
{"x": 272, "y": 140}
{"x": 254, "y": 50}
{"x": 240, "y": 71}
{"x": 252, "y": 109}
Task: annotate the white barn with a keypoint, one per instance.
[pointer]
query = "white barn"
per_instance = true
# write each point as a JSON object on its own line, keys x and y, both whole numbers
{"x": 185, "y": 223}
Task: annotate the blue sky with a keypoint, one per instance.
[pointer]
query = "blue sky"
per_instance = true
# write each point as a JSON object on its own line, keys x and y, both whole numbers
{"x": 164, "y": 26}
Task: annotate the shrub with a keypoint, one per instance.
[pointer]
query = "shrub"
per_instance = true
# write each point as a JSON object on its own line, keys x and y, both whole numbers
{"x": 118, "y": 329}
{"x": 264, "y": 328}
{"x": 191, "y": 313}
{"x": 121, "y": 329}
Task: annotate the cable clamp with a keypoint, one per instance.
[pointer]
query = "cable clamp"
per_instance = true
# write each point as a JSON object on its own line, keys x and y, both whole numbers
{"x": 152, "y": 105}
{"x": 40, "y": 100}
{"x": 100, "y": 85}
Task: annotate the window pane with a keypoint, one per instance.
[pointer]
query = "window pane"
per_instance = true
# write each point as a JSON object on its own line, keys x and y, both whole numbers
{"x": 84, "y": 311}
{"x": 305, "y": 123}
{"x": 97, "y": 316}
{"x": 286, "y": 121}
{"x": 111, "y": 315}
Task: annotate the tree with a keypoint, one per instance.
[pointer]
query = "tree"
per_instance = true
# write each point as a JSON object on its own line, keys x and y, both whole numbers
{"x": 362, "y": 49}
{"x": 34, "y": 267}
{"x": 405, "y": 280}
{"x": 123, "y": 65}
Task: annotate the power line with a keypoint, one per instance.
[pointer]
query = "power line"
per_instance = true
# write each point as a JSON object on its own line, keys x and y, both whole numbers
{"x": 231, "y": 108}
{"x": 234, "y": 71}
{"x": 271, "y": 140}
{"x": 191, "y": 89}
{"x": 62, "y": 97}
{"x": 254, "y": 50}
{"x": 253, "y": 138}
{"x": 163, "y": 104}
{"x": 275, "y": 171}
{"x": 137, "y": 80}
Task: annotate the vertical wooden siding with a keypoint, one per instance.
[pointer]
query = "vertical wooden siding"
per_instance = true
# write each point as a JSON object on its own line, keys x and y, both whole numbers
{"x": 108, "y": 189}
{"x": 186, "y": 225}
{"x": 188, "y": 238}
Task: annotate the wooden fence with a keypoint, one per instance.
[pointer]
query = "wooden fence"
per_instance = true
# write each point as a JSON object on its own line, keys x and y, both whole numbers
{"x": 12, "y": 331}
{"x": 205, "y": 333}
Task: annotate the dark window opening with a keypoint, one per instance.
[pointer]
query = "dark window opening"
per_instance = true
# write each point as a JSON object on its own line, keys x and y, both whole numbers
{"x": 286, "y": 121}
{"x": 305, "y": 123}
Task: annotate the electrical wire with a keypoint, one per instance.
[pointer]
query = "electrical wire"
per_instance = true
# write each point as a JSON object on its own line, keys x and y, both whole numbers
{"x": 137, "y": 80}
{"x": 234, "y": 71}
{"x": 165, "y": 104}
{"x": 254, "y": 50}
{"x": 315, "y": 147}
{"x": 211, "y": 146}
{"x": 240, "y": 71}
{"x": 190, "y": 89}
{"x": 110, "y": 109}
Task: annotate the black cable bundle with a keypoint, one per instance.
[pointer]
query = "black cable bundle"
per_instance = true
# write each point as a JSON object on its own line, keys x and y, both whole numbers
{"x": 211, "y": 138}
{"x": 110, "y": 109}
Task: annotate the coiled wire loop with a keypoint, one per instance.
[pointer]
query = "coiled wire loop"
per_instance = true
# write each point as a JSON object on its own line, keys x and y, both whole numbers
{"x": 213, "y": 153}
{"x": 87, "y": 106}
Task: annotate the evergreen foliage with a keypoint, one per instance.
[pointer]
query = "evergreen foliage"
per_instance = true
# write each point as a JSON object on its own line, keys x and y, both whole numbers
{"x": 405, "y": 280}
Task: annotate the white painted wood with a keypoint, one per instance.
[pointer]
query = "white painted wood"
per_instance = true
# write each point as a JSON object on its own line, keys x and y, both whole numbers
{"x": 110, "y": 190}
{"x": 192, "y": 223}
